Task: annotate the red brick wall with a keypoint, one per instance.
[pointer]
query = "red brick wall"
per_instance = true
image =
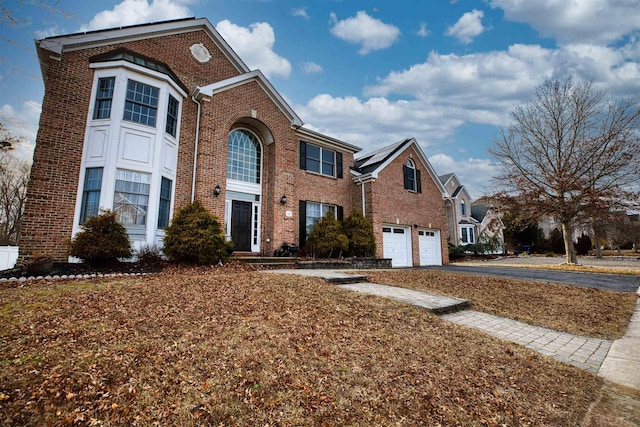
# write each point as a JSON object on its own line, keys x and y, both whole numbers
{"x": 389, "y": 203}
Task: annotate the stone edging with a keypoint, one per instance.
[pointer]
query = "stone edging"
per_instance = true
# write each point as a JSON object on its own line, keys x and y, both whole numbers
{"x": 67, "y": 277}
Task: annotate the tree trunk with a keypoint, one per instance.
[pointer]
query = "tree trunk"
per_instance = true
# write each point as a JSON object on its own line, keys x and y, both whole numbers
{"x": 567, "y": 231}
{"x": 597, "y": 242}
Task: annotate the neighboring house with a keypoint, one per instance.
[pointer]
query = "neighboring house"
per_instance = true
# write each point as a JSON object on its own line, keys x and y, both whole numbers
{"x": 144, "y": 119}
{"x": 462, "y": 226}
{"x": 489, "y": 224}
{"x": 401, "y": 194}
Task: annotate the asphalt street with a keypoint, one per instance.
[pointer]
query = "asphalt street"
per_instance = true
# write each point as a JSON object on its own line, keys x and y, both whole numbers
{"x": 614, "y": 282}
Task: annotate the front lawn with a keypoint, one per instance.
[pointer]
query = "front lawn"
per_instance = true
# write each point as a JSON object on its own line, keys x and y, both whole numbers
{"x": 219, "y": 347}
{"x": 573, "y": 309}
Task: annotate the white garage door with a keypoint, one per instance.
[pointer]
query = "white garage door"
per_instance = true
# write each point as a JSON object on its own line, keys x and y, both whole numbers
{"x": 396, "y": 244}
{"x": 429, "y": 246}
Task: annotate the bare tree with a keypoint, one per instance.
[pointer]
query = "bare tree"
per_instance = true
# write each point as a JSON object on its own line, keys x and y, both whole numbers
{"x": 570, "y": 152}
{"x": 14, "y": 177}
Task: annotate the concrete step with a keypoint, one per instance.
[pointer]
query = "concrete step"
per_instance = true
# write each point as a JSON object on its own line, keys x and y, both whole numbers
{"x": 346, "y": 279}
{"x": 436, "y": 304}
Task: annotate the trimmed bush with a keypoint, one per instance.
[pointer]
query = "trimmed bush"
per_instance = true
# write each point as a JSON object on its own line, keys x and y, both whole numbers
{"x": 102, "y": 239}
{"x": 195, "y": 236}
{"x": 359, "y": 232}
{"x": 327, "y": 240}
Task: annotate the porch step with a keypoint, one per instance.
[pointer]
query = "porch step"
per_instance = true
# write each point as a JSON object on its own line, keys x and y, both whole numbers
{"x": 346, "y": 279}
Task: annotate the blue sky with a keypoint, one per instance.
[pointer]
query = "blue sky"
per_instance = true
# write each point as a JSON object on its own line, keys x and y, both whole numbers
{"x": 447, "y": 72}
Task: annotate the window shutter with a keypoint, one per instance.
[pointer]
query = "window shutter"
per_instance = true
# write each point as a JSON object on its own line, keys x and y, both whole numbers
{"x": 338, "y": 165}
{"x": 405, "y": 174}
{"x": 303, "y": 155}
{"x": 302, "y": 221}
{"x": 339, "y": 213}
{"x": 418, "y": 181}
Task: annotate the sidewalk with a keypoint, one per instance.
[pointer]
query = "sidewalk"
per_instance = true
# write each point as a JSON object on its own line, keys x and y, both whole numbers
{"x": 617, "y": 361}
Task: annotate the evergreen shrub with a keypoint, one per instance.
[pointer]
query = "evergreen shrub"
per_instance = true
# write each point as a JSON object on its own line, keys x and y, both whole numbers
{"x": 359, "y": 231}
{"x": 327, "y": 240}
{"x": 195, "y": 236}
{"x": 102, "y": 239}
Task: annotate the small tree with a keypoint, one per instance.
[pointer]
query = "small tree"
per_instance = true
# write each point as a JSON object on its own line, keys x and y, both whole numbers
{"x": 195, "y": 236}
{"x": 359, "y": 231}
{"x": 556, "y": 241}
{"x": 327, "y": 239}
{"x": 102, "y": 239}
{"x": 583, "y": 245}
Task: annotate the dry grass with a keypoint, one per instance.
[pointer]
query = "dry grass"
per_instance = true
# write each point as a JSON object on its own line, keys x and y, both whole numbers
{"x": 210, "y": 347}
{"x": 629, "y": 271}
{"x": 572, "y": 309}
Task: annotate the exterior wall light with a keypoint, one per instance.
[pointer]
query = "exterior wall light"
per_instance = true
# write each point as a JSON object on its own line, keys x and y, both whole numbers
{"x": 283, "y": 200}
{"x": 216, "y": 190}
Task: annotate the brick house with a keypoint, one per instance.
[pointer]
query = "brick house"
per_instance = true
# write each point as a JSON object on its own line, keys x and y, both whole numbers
{"x": 144, "y": 119}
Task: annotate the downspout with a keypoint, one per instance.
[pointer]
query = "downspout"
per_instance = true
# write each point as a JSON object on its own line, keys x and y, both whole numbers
{"x": 364, "y": 210}
{"x": 195, "y": 154}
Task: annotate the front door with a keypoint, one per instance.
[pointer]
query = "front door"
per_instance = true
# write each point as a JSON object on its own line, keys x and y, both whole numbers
{"x": 241, "y": 225}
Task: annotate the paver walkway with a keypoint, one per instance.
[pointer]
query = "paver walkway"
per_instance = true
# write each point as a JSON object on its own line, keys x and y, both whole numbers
{"x": 583, "y": 352}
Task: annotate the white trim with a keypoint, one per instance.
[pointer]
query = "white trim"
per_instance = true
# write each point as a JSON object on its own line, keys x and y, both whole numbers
{"x": 314, "y": 137}
{"x": 253, "y": 76}
{"x": 156, "y": 75}
{"x": 78, "y": 41}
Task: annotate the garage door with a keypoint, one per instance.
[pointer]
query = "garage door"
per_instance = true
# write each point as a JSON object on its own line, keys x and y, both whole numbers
{"x": 429, "y": 246}
{"x": 396, "y": 243}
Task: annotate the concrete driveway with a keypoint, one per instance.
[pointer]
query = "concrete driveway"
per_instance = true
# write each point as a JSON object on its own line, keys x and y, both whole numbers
{"x": 614, "y": 282}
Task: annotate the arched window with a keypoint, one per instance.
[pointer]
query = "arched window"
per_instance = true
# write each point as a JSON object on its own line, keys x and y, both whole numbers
{"x": 463, "y": 208}
{"x": 409, "y": 172}
{"x": 243, "y": 158}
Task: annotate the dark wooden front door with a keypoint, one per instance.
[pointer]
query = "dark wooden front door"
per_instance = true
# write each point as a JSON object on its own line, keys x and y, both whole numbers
{"x": 241, "y": 225}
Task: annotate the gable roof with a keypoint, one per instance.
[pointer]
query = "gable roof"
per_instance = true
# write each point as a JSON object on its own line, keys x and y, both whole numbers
{"x": 55, "y": 46}
{"x": 252, "y": 76}
{"x": 445, "y": 178}
{"x": 370, "y": 165}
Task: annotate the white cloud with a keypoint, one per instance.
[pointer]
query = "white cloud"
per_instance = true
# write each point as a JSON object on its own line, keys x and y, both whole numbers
{"x": 255, "y": 47}
{"x": 301, "y": 12}
{"x": 370, "y": 33}
{"x": 432, "y": 100}
{"x": 583, "y": 21}
{"x": 468, "y": 27}
{"x": 311, "y": 68}
{"x": 423, "y": 31}
{"x": 22, "y": 123}
{"x": 131, "y": 12}
{"x": 376, "y": 122}
{"x": 475, "y": 174}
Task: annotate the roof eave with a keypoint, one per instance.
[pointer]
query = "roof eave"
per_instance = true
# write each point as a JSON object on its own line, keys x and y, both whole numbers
{"x": 252, "y": 76}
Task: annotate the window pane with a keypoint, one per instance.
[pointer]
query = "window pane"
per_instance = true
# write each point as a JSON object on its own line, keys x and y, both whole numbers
{"x": 141, "y": 105}
{"x": 104, "y": 96}
{"x": 315, "y": 211}
{"x": 131, "y": 197}
{"x": 328, "y": 162}
{"x": 243, "y": 157}
{"x": 165, "y": 203}
{"x": 172, "y": 116}
{"x": 91, "y": 194}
